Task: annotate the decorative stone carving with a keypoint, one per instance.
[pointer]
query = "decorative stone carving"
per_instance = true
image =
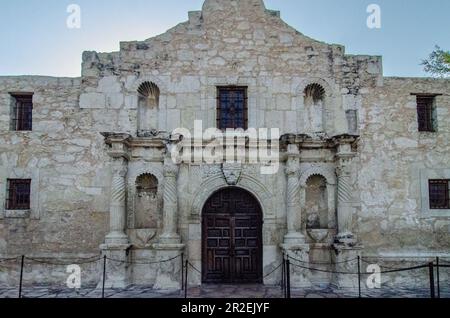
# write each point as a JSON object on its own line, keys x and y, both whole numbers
{"x": 345, "y": 205}
{"x": 117, "y": 204}
{"x": 170, "y": 210}
{"x": 232, "y": 173}
{"x": 293, "y": 211}
{"x": 211, "y": 171}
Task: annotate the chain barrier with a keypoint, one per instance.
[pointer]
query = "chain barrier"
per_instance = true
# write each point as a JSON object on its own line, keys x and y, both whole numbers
{"x": 143, "y": 263}
{"x": 81, "y": 262}
{"x": 285, "y": 279}
{"x": 381, "y": 266}
{"x": 194, "y": 268}
{"x": 276, "y": 268}
{"x": 319, "y": 263}
{"x": 2, "y": 260}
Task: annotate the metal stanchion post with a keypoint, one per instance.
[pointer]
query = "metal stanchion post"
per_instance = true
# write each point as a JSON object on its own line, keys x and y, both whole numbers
{"x": 182, "y": 271}
{"x": 283, "y": 271}
{"x": 288, "y": 279}
{"x": 438, "y": 279}
{"x": 186, "y": 280}
{"x": 104, "y": 276}
{"x": 431, "y": 271}
{"x": 359, "y": 276}
{"x": 21, "y": 276}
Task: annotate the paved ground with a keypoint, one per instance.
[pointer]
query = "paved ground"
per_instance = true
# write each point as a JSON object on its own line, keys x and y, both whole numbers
{"x": 223, "y": 291}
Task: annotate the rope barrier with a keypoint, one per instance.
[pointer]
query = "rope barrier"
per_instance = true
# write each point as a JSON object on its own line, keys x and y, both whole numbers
{"x": 8, "y": 259}
{"x": 276, "y": 268}
{"x": 323, "y": 270}
{"x": 362, "y": 273}
{"x": 318, "y": 263}
{"x": 143, "y": 263}
{"x": 381, "y": 266}
{"x": 194, "y": 268}
{"x": 85, "y": 261}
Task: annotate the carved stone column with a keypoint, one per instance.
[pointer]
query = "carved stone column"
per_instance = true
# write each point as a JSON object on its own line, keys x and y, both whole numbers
{"x": 116, "y": 241}
{"x": 345, "y": 204}
{"x": 170, "y": 212}
{"x": 293, "y": 204}
{"x": 117, "y": 214}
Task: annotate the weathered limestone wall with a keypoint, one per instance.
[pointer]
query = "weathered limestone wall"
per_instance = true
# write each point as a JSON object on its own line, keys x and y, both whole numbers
{"x": 229, "y": 43}
{"x": 392, "y": 155}
{"x": 64, "y": 157}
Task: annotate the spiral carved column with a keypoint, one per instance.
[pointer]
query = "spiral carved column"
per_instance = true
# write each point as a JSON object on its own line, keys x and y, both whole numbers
{"x": 345, "y": 200}
{"x": 170, "y": 212}
{"x": 117, "y": 204}
{"x": 293, "y": 204}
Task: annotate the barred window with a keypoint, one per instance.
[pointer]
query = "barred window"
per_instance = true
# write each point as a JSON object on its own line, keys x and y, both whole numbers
{"x": 21, "y": 112}
{"x": 439, "y": 194}
{"x": 426, "y": 113}
{"x": 18, "y": 196}
{"x": 232, "y": 109}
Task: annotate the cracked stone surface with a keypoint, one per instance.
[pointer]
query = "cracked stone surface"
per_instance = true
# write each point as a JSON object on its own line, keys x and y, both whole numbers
{"x": 217, "y": 291}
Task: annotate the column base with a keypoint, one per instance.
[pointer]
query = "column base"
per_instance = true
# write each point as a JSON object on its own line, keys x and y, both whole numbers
{"x": 170, "y": 239}
{"x": 117, "y": 275}
{"x": 300, "y": 277}
{"x": 169, "y": 272}
{"x": 346, "y": 239}
{"x": 345, "y": 259}
{"x": 294, "y": 238}
{"x": 116, "y": 238}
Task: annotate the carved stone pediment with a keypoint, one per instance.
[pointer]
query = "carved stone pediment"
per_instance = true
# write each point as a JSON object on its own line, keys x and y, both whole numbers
{"x": 232, "y": 173}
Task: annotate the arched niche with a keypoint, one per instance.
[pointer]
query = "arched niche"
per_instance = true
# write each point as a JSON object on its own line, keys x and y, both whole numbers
{"x": 135, "y": 191}
{"x": 148, "y": 106}
{"x": 146, "y": 202}
{"x": 318, "y": 197}
{"x": 316, "y": 99}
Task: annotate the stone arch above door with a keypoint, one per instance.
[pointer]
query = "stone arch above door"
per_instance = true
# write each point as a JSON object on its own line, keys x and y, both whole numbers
{"x": 248, "y": 183}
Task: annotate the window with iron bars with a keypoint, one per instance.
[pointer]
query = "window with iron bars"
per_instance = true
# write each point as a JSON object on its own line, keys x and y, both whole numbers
{"x": 18, "y": 194}
{"x": 232, "y": 108}
{"x": 439, "y": 194}
{"x": 426, "y": 113}
{"x": 22, "y": 112}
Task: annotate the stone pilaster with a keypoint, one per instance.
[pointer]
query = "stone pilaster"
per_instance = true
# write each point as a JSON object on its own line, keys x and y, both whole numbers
{"x": 345, "y": 204}
{"x": 293, "y": 204}
{"x": 116, "y": 241}
{"x": 345, "y": 259}
{"x": 117, "y": 214}
{"x": 170, "y": 212}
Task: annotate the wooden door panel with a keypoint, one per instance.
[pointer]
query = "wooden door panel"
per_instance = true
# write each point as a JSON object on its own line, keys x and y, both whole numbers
{"x": 232, "y": 238}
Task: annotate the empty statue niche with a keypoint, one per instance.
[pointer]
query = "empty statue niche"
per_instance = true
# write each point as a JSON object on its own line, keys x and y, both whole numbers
{"x": 316, "y": 203}
{"x": 314, "y": 101}
{"x": 146, "y": 211}
{"x": 148, "y": 107}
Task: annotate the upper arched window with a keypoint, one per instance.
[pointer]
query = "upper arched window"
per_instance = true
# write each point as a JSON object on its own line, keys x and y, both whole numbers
{"x": 314, "y": 101}
{"x": 148, "y": 107}
{"x": 149, "y": 94}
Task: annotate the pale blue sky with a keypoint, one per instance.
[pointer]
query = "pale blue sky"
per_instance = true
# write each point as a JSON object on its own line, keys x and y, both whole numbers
{"x": 35, "y": 39}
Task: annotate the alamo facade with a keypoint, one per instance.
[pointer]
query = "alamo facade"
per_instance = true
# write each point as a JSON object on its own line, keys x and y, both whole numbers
{"x": 86, "y": 167}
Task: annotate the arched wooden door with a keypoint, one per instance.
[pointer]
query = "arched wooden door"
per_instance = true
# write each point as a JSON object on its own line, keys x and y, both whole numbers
{"x": 232, "y": 238}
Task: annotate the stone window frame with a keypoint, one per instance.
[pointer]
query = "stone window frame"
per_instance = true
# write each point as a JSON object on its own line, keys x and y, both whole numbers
{"x": 209, "y": 99}
{"x": 16, "y": 101}
{"x": 221, "y": 89}
{"x": 434, "y": 124}
{"x": 425, "y": 176}
{"x": 34, "y": 211}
